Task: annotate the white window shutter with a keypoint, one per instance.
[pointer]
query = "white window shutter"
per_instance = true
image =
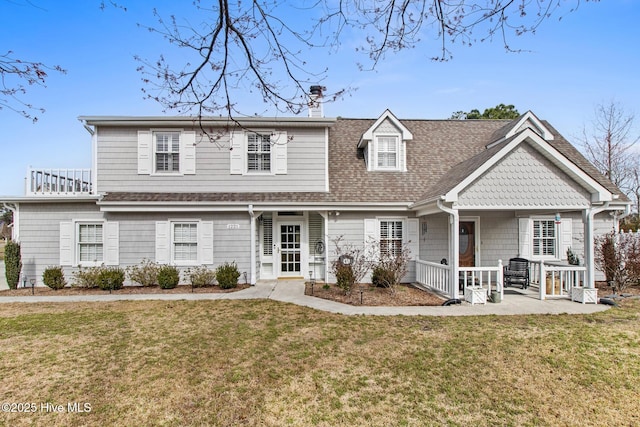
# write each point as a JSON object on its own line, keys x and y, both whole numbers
{"x": 67, "y": 243}
{"x": 566, "y": 235}
{"x": 111, "y": 243}
{"x": 280, "y": 151}
{"x": 145, "y": 152}
{"x": 236, "y": 153}
{"x": 413, "y": 238}
{"x": 188, "y": 153}
{"x": 524, "y": 237}
{"x": 163, "y": 242}
{"x": 370, "y": 237}
{"x": 205, "y": 242}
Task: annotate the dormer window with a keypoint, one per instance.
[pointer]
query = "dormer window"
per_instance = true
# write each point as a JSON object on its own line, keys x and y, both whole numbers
{"x": 384, "y": 144}
{"x": 387, "y": 152}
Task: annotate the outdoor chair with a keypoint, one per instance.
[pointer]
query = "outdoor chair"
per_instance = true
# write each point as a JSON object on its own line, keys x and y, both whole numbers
{"x": 517, "y": 272}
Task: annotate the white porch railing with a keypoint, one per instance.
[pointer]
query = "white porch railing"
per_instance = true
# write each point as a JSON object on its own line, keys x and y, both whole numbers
{"x": 434, "y": 275}
{"x": 488, "y": 278}
{"x": 556, "y": 280}
{"x": 438, "y": 277}
{"x": 58, "y": 182}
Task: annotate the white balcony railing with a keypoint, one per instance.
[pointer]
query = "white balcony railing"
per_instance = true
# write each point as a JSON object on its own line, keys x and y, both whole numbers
{"x": 58, "y": 182}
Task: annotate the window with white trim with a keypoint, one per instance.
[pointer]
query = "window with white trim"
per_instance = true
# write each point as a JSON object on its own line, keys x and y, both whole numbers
{"x": 167, "y": 152}
{"x": 184, "y": 242}
{"x": 90, "y": 243}
{"x": 387, "y": 152}
{"x": 258, "y": 152}
{"x": 391, "y": 237}
{"x": 544, "y": 238}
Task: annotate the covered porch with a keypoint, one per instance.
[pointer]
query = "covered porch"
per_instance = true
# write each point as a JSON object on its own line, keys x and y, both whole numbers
{"x": 463, "y": 253}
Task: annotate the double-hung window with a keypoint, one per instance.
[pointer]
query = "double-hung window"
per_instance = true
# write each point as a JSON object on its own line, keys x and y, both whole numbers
{"x": 391, "y": 235}
{"x": 544, "y": 238}
{"x": 258, "y": 152}
{"x": 167, "y": 152}
{"x": 185, "y": 242}
{"x": 387, "y": 151}
{"x": 90, "y": 243}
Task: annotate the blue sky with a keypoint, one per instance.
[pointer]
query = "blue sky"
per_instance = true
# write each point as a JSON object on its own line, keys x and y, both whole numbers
{"x": 589, "y": 57}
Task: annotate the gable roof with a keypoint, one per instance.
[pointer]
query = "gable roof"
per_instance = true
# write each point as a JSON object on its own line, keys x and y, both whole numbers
{"x": 442, "y": 155}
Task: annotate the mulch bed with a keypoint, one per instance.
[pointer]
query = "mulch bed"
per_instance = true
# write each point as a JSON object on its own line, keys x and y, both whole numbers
{"x": 127, "y": 290}
{"x": 404, "y": 295}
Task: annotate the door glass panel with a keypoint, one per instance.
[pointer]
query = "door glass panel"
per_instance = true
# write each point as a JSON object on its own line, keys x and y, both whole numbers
{"x": 290, "y": 256}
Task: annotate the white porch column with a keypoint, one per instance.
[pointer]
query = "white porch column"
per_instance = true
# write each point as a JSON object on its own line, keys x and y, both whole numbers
{"x": 454, "y": 247}
{"x": 589, "y": 247}
{"x": 325, "y": 217}
{"x": 252, "y": 244}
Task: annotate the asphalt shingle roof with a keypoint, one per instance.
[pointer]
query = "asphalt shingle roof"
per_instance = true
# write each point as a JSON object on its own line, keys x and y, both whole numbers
{"x": 441, "y": 154}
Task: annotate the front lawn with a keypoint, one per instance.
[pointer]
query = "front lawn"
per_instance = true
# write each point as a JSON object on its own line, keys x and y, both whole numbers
{"x": 262, "y": 362}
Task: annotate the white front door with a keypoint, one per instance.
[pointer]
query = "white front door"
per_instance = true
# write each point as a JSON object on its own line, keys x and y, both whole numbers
{"x": 290, "y": 247}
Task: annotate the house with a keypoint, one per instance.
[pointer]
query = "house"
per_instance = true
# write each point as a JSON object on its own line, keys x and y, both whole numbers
{"x": 272, "y": 194}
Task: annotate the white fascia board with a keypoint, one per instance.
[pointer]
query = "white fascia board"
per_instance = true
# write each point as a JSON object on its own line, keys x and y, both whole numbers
{"x": 234, "y": 207}
{"x": 598, "y": 192}
{"x": 152, "y": 121}
{"x": 529, "y": 116}
{"x": 49, "y": 199}
{"x": 368, "y": 135}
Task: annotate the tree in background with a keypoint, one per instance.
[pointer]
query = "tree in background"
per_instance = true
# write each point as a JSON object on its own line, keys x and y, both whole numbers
{"x": 257, "y": 47}
{"x": 500, "y": 111}
{"x": 611, "y": 145}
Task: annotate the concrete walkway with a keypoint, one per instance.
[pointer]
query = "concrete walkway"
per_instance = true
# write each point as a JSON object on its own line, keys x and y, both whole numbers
{"x": 292, "y": 291}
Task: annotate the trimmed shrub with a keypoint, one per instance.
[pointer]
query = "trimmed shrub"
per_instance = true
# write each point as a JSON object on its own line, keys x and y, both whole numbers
{"x": 87, "y": 277}
{"x": 201, "y": 276}
{"x": 382, "y": 277}
{"x": 227, "y": 275}
{"x": 111, "y": 278}
{"x": 345, "y": 278}
{"x": 146, "y": 274}
{"x": 12, "y": 263}
{"x": 53, "y": 277}
{"x": 168, "y": 276}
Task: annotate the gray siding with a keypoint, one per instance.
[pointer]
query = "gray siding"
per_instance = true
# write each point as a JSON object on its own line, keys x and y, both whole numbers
{"x": 118, "y": 167}
{"x": 524, "y": 179}
{"x": 40, "y": 234}
{"x": 350, "y": 226}
{"x": 434, "y": 245}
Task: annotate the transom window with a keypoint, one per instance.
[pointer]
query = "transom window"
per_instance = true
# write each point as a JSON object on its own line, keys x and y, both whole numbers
{"x": 185, "y": 242}
{"x": 391, "y": 237}
{"x": 167, "y": 146}
{"x": 544, "y": 237}
{"x": 90, "y": 243}
{"x": 258, "y": 152}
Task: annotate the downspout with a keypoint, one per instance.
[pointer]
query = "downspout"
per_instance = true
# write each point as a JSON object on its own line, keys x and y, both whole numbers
{"x": 94, "y": 156}
{"x": 589, "y": 248}
{"x": 252, "y": 250}
{"x": 454, "y": 248}
{"x": 617, "y": 218}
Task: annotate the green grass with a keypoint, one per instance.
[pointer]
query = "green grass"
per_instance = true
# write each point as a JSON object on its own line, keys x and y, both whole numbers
{"x": 273, "y": 364}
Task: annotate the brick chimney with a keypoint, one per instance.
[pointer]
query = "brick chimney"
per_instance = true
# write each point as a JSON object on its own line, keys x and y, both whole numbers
{"x": 315, "y": 101}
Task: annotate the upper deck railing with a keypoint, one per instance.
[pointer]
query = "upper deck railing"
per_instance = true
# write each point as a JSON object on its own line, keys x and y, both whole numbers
{"x": 58, "y": 182}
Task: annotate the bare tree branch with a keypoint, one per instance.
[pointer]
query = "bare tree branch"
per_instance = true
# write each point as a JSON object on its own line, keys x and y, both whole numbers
{"x": 255, "y": 46}
{"x": 608, "y": 144}
{"x": 16, "y": 75}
